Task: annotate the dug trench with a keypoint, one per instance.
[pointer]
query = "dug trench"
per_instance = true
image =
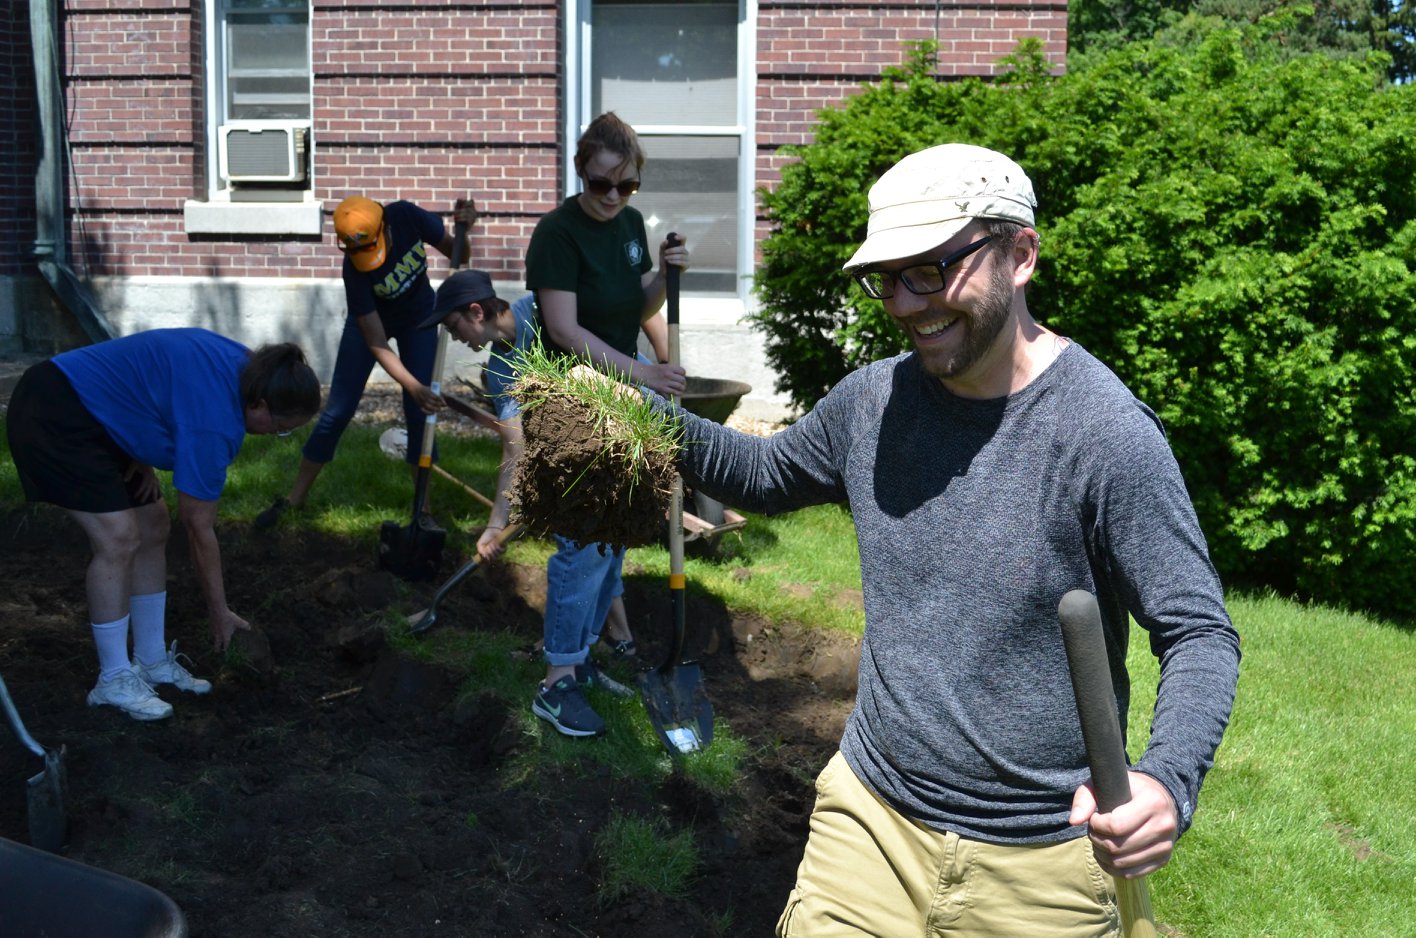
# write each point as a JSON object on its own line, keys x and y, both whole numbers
{"x": 332, "y": 786}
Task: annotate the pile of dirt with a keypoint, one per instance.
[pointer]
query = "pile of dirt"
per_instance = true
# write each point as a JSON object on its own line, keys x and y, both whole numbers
{"x": 581, "y": 477}
{"x": 331, "y": 786}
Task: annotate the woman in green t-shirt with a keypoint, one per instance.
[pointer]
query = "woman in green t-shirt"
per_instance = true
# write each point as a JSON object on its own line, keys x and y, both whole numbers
{"x": 590, "y": 267}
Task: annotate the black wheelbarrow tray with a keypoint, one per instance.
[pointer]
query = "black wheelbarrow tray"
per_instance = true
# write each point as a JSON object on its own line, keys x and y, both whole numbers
{"x": 42, "y": 893}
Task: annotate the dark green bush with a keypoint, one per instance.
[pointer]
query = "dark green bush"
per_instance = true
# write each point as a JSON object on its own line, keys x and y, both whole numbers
{"x": 1231, "y": 229}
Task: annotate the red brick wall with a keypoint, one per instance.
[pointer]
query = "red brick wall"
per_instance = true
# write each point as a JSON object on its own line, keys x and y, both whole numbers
{"x": 815, "y": 55}
{"x": 422, "y": 100}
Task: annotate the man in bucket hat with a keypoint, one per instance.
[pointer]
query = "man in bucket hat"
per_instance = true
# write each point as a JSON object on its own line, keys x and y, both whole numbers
{"x": 388, "y": 295}
{"x": 989, "y": 471}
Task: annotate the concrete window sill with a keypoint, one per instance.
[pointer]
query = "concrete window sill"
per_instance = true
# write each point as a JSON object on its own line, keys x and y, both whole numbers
{"x": 253, "y": 218}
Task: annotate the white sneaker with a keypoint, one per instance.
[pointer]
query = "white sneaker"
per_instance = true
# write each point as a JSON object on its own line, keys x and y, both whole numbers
{"x": 169, "y": 671}
{"x": 131, "y": 694}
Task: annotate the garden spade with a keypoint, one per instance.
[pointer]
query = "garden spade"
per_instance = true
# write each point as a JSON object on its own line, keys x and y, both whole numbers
{"x": 1101, "y": 732}
{"x": 48, "y": 824}
{"x": 673, "y": 693}
{"x": 422, "y": 621}
{"x": 414, "y": 551}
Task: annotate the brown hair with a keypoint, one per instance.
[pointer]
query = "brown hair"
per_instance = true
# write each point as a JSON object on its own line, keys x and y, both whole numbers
{"x": 280, "y": 376}
{"x": 608, "y": 133}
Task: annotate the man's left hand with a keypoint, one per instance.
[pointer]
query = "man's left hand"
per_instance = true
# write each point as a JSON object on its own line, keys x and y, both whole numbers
{"x": 1138, "y": 837}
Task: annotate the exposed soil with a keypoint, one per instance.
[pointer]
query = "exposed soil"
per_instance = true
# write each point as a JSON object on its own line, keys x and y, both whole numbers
{"x": 333, "y": 787}
{"x": 577, "y": 478}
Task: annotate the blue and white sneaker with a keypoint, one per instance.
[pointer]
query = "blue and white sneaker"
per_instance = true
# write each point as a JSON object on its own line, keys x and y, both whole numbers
{"x": 564, "y": 706}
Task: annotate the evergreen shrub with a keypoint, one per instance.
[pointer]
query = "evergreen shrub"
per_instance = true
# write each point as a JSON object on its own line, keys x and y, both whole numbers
{"x": 1230, "y": 228}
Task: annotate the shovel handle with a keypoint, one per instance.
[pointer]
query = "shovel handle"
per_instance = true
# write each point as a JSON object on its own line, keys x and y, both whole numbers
{"x": 1095, "y": 695}
{"x": 16, "y": 723}
{"x": 677, "y": 581}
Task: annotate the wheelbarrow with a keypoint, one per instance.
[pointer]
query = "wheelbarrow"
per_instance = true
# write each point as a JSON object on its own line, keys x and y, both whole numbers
{"x": 712, "y": 399}
{"x": 53, "y": 896}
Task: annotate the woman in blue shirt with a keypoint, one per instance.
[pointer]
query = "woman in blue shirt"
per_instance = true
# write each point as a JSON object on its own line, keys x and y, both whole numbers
{"x": 88, "y": 427}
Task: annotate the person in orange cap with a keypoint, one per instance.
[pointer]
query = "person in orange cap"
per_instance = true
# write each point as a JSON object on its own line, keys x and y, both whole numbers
{"x": 387, "y": 292}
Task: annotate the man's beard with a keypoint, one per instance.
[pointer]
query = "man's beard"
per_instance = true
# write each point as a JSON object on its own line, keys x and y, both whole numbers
{"x": 981, "y": 326}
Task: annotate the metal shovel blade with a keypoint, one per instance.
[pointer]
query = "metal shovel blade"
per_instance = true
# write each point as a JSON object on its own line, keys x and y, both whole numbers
{"x": 678, "y": 707}
{"x": 48, "y": 822}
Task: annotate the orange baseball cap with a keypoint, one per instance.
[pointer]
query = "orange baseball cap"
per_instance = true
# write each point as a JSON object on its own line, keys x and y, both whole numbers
{"x": 358, "y": 224}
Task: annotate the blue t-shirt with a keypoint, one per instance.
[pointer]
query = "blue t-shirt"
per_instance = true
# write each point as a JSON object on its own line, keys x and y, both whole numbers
{"x": 500, "y": 370}
{"x": 170, "y": 398}
{"x": 399, "y": 288}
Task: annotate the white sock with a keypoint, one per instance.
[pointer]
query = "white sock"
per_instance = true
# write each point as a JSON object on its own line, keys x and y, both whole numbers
{"x": 112, "y": 641}
{"x": 149, "y": 614}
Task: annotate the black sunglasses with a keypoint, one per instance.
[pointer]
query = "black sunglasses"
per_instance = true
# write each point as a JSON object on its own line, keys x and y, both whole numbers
{"x": 597, "y": 186}
{"x": 921, "y": 279}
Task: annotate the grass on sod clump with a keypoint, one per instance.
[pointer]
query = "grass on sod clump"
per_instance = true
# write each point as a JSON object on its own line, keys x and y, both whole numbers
{"x": 598, "y": 461}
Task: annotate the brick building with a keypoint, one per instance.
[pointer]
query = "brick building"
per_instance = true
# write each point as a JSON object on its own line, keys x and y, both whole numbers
{"x": 207, "y": 141}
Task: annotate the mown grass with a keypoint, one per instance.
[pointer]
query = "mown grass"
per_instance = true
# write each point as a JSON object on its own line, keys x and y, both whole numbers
{"x": 1306, "y": 824}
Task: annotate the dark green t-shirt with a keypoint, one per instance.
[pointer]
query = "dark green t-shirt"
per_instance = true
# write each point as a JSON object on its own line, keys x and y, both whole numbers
{"x": 601, "y": 262}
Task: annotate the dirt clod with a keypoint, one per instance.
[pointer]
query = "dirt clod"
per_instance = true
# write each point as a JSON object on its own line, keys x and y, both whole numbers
{"x": 576, "y": 479}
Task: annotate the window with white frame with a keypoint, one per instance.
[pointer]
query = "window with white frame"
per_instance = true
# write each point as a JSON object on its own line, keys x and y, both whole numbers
{"x": 675, "y": 73}
{"x": 261, "y": 98}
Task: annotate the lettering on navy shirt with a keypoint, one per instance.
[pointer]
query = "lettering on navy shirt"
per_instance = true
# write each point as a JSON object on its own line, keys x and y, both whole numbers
{"x": 404, "y": 273}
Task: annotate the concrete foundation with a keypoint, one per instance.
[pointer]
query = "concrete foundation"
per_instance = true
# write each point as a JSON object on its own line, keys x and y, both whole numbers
{"x": 714, "y": 344}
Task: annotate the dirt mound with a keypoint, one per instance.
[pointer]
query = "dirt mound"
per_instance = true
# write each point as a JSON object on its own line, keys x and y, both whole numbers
{"x": 330, "y": 786}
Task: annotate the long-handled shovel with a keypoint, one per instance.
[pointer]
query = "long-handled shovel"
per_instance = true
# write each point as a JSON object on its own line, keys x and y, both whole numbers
{"x": 414, "y": 551}
{"x": 422, "y": 621}
{"x": 673, "y": 693}
{"x": 1101, "y": 731}
{"x": 394, "y": 443}
{"x": 48, "y": 824}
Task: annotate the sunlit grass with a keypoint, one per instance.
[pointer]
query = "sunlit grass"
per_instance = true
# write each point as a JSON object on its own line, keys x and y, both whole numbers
{"x": 1307, "y": 823}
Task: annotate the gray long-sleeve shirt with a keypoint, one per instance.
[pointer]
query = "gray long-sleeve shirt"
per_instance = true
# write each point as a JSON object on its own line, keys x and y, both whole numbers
{"x": 974, "y": 518}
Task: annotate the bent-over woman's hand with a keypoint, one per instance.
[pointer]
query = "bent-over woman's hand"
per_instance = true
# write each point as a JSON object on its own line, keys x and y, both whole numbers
{"x": 148, "y": 488}
{"x": 224, "y": 625}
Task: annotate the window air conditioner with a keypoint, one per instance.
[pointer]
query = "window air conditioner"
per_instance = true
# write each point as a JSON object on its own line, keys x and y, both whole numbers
{"x": 263, "y": 150}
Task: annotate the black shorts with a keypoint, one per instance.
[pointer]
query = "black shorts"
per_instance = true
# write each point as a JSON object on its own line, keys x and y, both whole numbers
{"x": 63, "y": 455}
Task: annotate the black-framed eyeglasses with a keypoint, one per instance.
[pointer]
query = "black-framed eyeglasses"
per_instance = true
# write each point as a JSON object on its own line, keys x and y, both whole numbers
{"x": 597, "y": 186}
{"x": 921, "y": 279}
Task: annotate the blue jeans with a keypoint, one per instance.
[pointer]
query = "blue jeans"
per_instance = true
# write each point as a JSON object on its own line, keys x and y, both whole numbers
{"x": 417, "y": 348}
{"x": 580, "y": 583}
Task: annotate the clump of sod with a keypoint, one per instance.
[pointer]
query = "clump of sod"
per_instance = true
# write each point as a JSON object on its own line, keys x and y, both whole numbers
{"x": 598, "y": 464}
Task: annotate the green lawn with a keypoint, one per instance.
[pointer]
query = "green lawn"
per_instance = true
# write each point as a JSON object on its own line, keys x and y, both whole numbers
{"x": 1305, "y": 826}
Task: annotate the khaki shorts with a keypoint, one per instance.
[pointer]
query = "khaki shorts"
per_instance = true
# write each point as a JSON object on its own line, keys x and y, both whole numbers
{"x": 869, "y": 870}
